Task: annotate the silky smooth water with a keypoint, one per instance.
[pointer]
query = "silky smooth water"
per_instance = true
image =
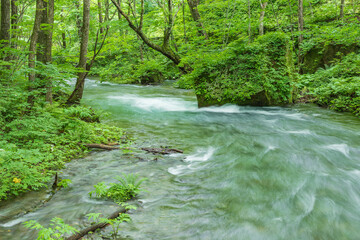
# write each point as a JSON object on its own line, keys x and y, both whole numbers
{"x": 246, "y": 172}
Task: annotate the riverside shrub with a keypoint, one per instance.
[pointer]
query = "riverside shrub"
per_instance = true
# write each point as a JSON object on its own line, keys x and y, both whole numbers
{"x": 34, "y": 145}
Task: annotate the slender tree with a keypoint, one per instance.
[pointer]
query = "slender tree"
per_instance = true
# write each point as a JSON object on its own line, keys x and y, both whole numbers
{"x": 101, "y": 21}
{"x": 300, "y": 20}
{"x": 249, "y": 15}
{"x": 44, "y": 46}
{"x": 342, "y": 5}
{"x": 78, "y": 19}
{"x": 291, "y": 20}
{"x": 32, "y": 48}
{"x": 300, "y": 28}
{"x": 262, "y": 15}
{"x": 77, "y": 94}
{"x": 14, "y": 22}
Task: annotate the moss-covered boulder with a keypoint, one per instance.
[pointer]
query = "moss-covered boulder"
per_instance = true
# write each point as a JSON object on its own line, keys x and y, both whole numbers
{"x": 324, "y": 54}
{"x": 256, "y": 74}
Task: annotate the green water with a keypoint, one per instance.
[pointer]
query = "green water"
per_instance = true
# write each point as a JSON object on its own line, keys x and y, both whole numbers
{"x": 246, "y": 173}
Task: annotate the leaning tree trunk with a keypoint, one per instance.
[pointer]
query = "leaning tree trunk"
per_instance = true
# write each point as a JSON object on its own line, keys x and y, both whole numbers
{"x": 193, "y": 4}
{"x": 43, "y": 53}
{"x": 262, "y": 15}
{"x": 165, "y": 48}
{"x": 77, "y": 94}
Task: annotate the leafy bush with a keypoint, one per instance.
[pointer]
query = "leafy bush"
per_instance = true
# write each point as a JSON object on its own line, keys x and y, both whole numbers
{"x": 337, "y": 86}
{"x": 127, "y": 187}
{"x": 35, "y": 144}
{"x": 83, "y": 113}
{"x": 57, "y": 229}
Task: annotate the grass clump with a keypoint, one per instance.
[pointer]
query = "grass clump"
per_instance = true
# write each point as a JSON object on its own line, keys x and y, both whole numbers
{"x": 126, "y": 188}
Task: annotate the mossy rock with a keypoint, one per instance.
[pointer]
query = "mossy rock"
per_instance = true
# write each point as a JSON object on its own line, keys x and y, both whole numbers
{"x": 152, "y": 77}
{"x": 259, "y": 100}
{"x": 319, "y": 57}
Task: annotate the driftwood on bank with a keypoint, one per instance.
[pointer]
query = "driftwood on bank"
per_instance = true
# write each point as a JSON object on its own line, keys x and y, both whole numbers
{"x": 162, "y": 150}
{"x": 94, "y": 227}
{"x": 102, "y": 146}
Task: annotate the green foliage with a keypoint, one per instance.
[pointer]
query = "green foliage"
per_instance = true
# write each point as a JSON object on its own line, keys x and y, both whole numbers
{"x": 83, "y": 113}
{"x": 35, "y": 144}
{"x": 255, "y": 74}
{"x": 57, "y": 229}
{"x": 114, "y": 223}
{"x": 64, "y": 183}
{"x": 127, "y": 187}
{"x": 337, "y": 86}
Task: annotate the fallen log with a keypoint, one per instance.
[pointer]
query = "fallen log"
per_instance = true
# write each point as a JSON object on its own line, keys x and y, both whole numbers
{"x": 94, "y": 227}
{"x": 101, "y": 146}
{"x": 162, "y": 150}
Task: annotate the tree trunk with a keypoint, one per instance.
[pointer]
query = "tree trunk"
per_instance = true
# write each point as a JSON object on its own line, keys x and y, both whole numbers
{"x": 262, "y": 15}
{"x": 193, "y": 4}
{"x": 78, "y": 19}
{"x": 184, "y": 22}
{"x": 32, "y": 48}
{"x": 249, "y": 14}
{"x": 290, "y": 20}
{"x": 5, "y": 29}
{"x": 14, "y": 21}
{"x": 300, "y": 20}
{"x": 342, "y": 5}
{"x": 63, "y": 36}
{"x": 101, "y": 21}
{"x": 107, "y": 9}
{"x": 300, "y": 28}
{"x": 43, "y": 53}
{"x": 5, "y": 23}
{"x": 77, "y": 94}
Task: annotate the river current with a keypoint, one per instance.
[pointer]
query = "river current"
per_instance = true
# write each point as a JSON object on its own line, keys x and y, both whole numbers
{"x": 246, "y": 172}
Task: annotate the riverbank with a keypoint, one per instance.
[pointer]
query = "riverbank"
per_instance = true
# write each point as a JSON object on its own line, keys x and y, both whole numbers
{"x": 36, "y": 144}
{"x": 262, "y": 172}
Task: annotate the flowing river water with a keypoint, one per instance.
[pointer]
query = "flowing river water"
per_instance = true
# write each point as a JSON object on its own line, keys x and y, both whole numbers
{"x": 246, "y": 172}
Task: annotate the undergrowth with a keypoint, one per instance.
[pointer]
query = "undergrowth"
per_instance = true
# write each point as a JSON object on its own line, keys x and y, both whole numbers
{"x": 33, "y": 145}
{"x": 127, "y": 187}
{"x": 336, "y": 86}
